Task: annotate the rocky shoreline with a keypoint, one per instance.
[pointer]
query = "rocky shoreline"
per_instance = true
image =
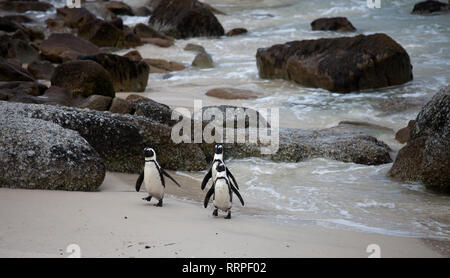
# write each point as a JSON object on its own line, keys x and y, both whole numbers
{"x": 90, "y": 128}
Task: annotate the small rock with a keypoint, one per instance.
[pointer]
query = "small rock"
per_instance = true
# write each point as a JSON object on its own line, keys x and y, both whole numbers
{"x": 236, "y": 32}
{"x": 428, "y": 7}
{"x": 203, "y": 60}
{"x": 231, "y": 93}
{"x": 158, "y": 42}
{"x": 195, "y": 48}
{"x": 164, "y": 65}
{"x": 119, "y": 8}
{"x": 339, "y": 24}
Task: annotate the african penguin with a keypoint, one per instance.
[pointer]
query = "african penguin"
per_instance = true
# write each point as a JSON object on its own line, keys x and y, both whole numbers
{"x": 153, "y": 177}
{"x": 223, "y": 192}
{"x": 218, "y": 158}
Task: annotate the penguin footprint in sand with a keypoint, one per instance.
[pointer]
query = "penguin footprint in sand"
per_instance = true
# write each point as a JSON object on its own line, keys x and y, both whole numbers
{"x": 153, "y": 178}
{"x": 212, "y": 172}
{"x": 223, "y": 192}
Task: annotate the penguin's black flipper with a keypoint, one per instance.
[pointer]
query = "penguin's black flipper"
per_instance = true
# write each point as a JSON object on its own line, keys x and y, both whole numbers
{"x": 167, "y": 175}
{"x": 139, "y": 181}
{"x": 208, "y": 196}
{"x": 232, "y": 177}
{"x": 237, "y": 194}
{"x": 206, "y": 178}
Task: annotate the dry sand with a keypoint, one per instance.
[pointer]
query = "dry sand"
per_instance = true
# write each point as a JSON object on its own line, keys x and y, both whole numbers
{"x": 115, "y": 222}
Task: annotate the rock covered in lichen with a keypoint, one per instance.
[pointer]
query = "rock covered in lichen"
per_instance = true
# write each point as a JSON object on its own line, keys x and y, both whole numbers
{"x": 426, "y": 157}
{"x": 118, "y": 143}
{"x": 37, "y": 154}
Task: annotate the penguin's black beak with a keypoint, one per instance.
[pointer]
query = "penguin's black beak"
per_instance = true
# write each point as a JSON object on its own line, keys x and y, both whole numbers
{"x": 218, "y": 149}
{"x": 220, "y": 167}
{"x": 148, "y": 152}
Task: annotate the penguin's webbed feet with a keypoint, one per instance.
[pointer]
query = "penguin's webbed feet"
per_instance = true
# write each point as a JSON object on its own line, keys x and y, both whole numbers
{"x": 148, "y": 199}
{"x": 159, "y": 204}
{"x": 215, "y": 212}
{"x": 228, "y": 215}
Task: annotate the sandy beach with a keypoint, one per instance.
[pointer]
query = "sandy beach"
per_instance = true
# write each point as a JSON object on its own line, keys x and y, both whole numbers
{"x": 115, "y": 222}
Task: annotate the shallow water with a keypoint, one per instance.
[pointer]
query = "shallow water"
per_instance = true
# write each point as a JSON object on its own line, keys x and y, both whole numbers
{"x": 327, "y": 192}
{"x": 330, "y": 193}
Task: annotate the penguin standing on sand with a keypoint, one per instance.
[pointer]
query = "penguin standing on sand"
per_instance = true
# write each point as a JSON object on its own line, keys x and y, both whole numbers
{"x": 153, "y": 177}
{"x": 223, "y": 192}
{"x": 212, "y": 172}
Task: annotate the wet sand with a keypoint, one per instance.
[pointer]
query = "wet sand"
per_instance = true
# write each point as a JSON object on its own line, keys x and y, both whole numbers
{"x": 115, "y": 222}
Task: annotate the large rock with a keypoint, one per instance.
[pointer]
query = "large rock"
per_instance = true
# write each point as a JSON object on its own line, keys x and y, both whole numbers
{"x": 62, "y": 47}
{"x": 338, "y": 64}
{"x": 242, "y": 114}
{"x": 339, "y": 24}
{"x": 182, "y": 156}
{"x": 24, "y": 6}
{"x": 37, "y": 154}
{"x": 127, "y": 75}
{"x": 12, "y": 72}
{"x": 297, "y": 145}
{"x": 426, "y": 157}
{"x": 428, "y": 7}
{"x": 119, "y": 144}
{"x": 153, "y": 110}
{"x": 83, "y": 78}
{"x": 184, "y": 19}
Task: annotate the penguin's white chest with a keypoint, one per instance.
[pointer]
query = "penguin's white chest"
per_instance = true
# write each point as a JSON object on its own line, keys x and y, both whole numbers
{"x": 222, "y": 195}
{"x": 213, "y": 171}
{"x": 152, "y": 181}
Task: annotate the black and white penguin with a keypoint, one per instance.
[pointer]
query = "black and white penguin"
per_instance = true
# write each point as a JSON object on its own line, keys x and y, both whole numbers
{"x": 153, "y": 177}
{"x": 212, "y": 172}
{"x": 223, "y": 192}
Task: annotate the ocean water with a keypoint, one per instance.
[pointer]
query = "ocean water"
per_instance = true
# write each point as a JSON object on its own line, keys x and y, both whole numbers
{"x": 321, "y": 191}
